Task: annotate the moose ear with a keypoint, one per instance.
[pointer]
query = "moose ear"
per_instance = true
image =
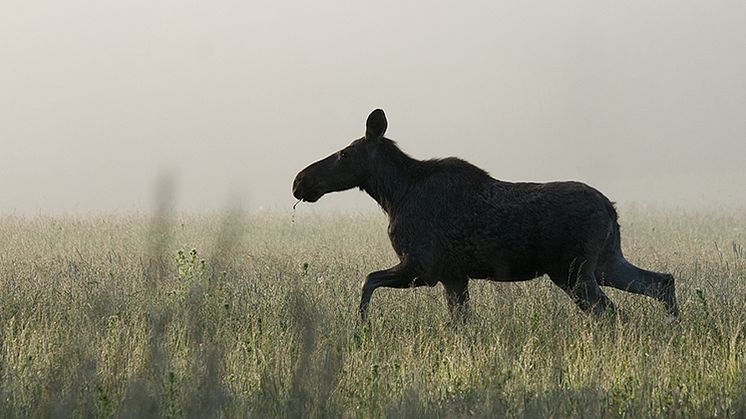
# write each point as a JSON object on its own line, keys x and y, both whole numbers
{"x": 376, "y": 125}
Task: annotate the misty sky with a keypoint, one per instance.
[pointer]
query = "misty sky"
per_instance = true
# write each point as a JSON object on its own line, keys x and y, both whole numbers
{"x": 645, "y": 100}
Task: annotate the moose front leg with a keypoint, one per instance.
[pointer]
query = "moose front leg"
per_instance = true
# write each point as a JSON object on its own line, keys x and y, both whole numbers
{"x": 397, "y": 277}
{"x": 457, "y": 295}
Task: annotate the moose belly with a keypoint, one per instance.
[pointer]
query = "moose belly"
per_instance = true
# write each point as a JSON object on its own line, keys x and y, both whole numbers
{"x": 506, "y": 272}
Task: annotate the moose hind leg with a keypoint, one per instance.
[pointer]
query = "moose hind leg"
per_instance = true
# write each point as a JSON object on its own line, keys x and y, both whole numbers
{"x": 457, "y": 296}
{"x": 627, "y": 277}
{"x": 581, "y": 285}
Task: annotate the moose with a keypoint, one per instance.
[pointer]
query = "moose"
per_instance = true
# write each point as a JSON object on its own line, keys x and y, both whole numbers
{"x": 450, "y": 221}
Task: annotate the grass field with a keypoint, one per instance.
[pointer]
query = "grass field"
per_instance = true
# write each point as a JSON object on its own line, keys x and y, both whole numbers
{"x": 255, "y": 315}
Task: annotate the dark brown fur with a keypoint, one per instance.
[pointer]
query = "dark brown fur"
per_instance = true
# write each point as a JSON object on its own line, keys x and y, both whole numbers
{"x": 450, "y": 221}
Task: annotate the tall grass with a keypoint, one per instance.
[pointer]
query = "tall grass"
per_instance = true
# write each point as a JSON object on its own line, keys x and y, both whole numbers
{"x": 255, "y": 316}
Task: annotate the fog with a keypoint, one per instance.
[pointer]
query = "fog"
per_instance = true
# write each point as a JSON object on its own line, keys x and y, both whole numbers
{"x": 100, "y": 99}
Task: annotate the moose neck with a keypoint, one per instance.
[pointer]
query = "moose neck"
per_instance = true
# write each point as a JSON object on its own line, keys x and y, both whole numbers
{"x": 390, "y": 178}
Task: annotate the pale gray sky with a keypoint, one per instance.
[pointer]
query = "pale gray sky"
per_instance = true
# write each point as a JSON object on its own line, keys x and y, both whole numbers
{"x": 646, "y": 100}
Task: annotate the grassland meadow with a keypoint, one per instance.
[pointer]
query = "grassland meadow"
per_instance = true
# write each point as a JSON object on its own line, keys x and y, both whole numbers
{"x": 255, "y": 315}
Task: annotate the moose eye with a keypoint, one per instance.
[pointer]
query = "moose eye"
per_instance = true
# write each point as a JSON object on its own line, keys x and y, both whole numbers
{"x": 343, "y": 154}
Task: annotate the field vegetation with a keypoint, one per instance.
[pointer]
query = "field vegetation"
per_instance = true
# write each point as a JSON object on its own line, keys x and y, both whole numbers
{"x": 255, "y": 315}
